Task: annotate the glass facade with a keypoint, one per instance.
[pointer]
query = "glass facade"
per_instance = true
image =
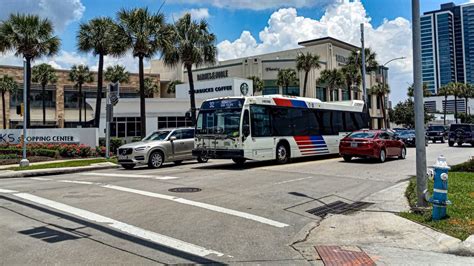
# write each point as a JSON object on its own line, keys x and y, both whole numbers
{"x": 468, "y": 30}
{"x": 173, "y": 121}
{"x": 36, "y": 97}
{"x": 427, "y": 52}
{"x": 321, "y": 93}
{"x": 125, "y": 127}
{"x": 445, "y": 42}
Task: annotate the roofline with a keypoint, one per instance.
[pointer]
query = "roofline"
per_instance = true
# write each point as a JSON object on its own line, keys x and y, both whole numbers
{"x": 330, "y": 39}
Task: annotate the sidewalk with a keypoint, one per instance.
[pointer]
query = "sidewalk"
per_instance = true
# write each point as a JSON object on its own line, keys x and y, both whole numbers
{"x": 386, "y": 237}
{"x": 2, "y": 167}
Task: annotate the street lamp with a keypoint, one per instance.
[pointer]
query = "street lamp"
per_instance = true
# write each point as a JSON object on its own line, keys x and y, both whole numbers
{"x": 384, "y": 82}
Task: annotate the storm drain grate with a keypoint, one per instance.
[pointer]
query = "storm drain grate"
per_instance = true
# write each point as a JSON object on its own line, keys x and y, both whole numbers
{"x": 336, "y": 255}
{"x": 184, "y": 189}
{"x": 339, "y": 207}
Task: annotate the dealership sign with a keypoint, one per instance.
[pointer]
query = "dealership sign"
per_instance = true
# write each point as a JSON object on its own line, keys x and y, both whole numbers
{"x": 87, "y": 136}
{"x": 216, "y": 88}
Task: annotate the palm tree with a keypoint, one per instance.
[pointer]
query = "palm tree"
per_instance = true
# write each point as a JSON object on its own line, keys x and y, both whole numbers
{"x": 307, "y": 62}
{"x": 101, "y": 37}
{"x": 352, "y": 78}
{"x": 380, "y": 90}
{"x": 445, "y": 91}
{"x": 426, "y": 91}
{"x": 285, "y": 78}
{"x": 30, "y": 37}
{"x": 334, "y": 79}
{"x": 145, "y": 34}
{"x": 257, "y": 84}
{"x": 151, "y": 87}
{"x": 172, "y": 86}
{"x": 456, "y": 90}
{"x": 116, "y": 74}
{"x": 44, "y": 74}
{"x": 371, "y": 63}
{"x": 7, "y": 84}
{"x": 467, "y": 92}
{"x": 80, "y": 74}
{"x": 192, "y": 44}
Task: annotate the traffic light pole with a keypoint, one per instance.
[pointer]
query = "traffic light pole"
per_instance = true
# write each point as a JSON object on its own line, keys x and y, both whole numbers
{"x": 24, "y": 161}
{"x": 108, "y": 118}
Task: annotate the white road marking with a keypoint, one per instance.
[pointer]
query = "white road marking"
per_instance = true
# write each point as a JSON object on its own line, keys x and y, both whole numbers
{"x": 187, "y": 202}
{"x": 127, "y": 228}
{"x": 41, "y": 178}
{"x": 131, "y": 175}
{"x": 7, "y": 191}
{"x": 294, "y": 180}
{"x": 200, "y": 205}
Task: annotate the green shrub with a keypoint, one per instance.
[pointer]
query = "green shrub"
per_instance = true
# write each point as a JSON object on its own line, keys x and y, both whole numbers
{"x": 10, "y": 150}
{"x": 8, "y": 156}
{"x": 46, "y": 153}
{"x": 115, "y": 143}
{"x": 464, "y": 167}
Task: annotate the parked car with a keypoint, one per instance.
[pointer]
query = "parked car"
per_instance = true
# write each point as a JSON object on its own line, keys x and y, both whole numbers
{"x": 378, "y": 144}
{"x": 399, "y": 129}
{"x": 409, "y": 138}
{"x": 436, "y": 133}
{"x": 461, "y": 133}
{"x": 164, "y": 145}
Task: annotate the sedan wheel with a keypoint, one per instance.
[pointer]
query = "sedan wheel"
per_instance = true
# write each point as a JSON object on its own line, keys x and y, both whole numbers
{"x": 403, "y": 153}
{"x": 382, "y": 156}
{"x": 155, "y": 160}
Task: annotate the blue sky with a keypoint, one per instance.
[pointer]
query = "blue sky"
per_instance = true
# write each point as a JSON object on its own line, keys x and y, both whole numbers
{"x": 248, "y": 27}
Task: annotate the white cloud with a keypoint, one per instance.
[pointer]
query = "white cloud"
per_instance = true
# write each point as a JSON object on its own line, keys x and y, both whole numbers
{"x": 285, "y": 29}
{"x": 60, "y": 12}
{"x": 259, "y": 4}
{"x": 196, "y": 13}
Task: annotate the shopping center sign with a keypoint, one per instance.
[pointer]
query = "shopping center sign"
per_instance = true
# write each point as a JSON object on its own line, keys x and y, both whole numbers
{"x": 87, "y": 136}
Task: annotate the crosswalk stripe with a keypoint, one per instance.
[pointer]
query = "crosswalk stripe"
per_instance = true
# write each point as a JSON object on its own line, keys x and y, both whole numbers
{"x": 130, "y": 175}
{"x": 124, "y": 227}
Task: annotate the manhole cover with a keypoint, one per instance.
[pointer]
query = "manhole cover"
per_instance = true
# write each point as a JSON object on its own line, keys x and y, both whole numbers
{"x": 336, "y": 255}
{"x": 339, "y": 207}
{"x": 184, "y": 189}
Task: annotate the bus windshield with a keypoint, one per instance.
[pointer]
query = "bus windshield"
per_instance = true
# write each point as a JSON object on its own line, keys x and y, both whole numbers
{"x": 219, "y": 121}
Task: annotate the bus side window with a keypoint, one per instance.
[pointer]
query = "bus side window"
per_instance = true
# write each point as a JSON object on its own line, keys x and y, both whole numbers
{"x": 300, "y": 121}
{"x": 312, "y": 123}
{"x": 337, "y": 123}
{"x": 281, "y": 121}
{"x": 326, "y": 123}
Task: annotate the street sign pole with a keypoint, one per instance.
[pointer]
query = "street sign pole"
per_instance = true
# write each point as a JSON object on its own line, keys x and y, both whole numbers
{"x": 113, "y": 96}
{"x": 24, "y": 161}
{"x": 419, "y": 108}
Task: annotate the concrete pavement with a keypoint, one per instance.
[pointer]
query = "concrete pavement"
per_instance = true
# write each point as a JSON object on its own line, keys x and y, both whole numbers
{"x": 244, "y": 215}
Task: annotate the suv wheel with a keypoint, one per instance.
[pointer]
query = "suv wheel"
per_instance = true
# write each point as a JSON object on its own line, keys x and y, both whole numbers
{"x": 459, "y": 143}
{"x": 451, "y": 143}
{"x": 282, "y": 155}
{"x": 403, "y": 153}
{"x": 382, "y": 156}
{"x": 156, "y": 159}
{"x": 202, "y": 159}
{"x": 347, "y": 158}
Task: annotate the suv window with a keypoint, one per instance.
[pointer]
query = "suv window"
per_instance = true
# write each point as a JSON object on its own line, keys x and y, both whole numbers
{"x": 435, "y": 128}
{"x": 454, "y": 127}
{"x": 188, "y": 133}
{"x": 177, "y": 133}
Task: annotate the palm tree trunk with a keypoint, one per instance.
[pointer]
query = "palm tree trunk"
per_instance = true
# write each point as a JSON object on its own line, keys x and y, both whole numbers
{"x": 142, "y": 97}
{"x": 4, "y": 111}
{"x": 467, "y": 106}
{"x": 43, "y": 102}
{"x": 191, "y": 93}
{"x": 444, "y": 108}
{"x": 27, "y": 102}
{"x": 99, "y": 91}
{"x": 456, "y": 108}
{"x": 80, "y": 103}
{"x": 305, "y": 83}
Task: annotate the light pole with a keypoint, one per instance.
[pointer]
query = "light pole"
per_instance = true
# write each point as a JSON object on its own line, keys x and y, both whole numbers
{"x": 419, "y": 109}
{"x": 24, "y": 161}
{"x": 384, "y": 83}
{"x": 364, "y": 88}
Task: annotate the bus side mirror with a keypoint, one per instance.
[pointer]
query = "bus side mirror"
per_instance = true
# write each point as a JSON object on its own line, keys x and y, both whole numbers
{"x": 187, "y": 115}
{"x": 246, "y": 130}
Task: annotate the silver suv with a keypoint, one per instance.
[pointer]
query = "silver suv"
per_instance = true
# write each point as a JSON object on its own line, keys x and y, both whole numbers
{"x": 164, "y": 145}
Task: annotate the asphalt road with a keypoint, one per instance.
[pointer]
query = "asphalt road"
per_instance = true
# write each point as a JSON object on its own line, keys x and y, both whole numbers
{"x": 241, "y": 215}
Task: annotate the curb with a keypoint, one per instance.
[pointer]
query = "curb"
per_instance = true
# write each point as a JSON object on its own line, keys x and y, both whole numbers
{"x": 57, "y": 171}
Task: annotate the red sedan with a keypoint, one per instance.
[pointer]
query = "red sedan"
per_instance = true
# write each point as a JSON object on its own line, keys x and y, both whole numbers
{"x": 378, "y": 144}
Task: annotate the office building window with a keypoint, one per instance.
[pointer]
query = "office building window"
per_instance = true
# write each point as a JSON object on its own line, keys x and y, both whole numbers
{"x": 321, "y": 93}
{"x": 270, "y": 90}
{"x": 36, "y": 97}
{"x": 125, "y": 127}
{"x": 292, "y": 90}
{"x": 173, "y": 122}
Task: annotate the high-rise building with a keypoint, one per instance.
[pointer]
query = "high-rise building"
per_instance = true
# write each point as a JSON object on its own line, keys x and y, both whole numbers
{"x": 447, "y": 45}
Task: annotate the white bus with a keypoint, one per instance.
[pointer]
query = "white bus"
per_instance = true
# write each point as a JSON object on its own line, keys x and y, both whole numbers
{"x": 274, "y": 127}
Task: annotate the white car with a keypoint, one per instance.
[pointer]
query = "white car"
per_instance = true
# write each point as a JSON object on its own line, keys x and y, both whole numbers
{"x": 161, "y": 146}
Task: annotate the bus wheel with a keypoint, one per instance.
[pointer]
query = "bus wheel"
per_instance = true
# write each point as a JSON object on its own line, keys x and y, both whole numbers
{"x": 239, "y": 161}
{"x": 282, "y": 155}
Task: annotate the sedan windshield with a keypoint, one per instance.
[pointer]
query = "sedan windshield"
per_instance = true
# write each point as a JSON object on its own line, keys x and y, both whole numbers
{"x": 157, "y": 135}
{"x": 362, "y": 135}
{"x": 219, "y": 121}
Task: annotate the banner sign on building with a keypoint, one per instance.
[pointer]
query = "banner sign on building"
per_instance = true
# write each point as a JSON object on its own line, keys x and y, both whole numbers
{"x": 216, "y": 88}
{"x": 213, "y": 75}
{"x": 86, "y": 136}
